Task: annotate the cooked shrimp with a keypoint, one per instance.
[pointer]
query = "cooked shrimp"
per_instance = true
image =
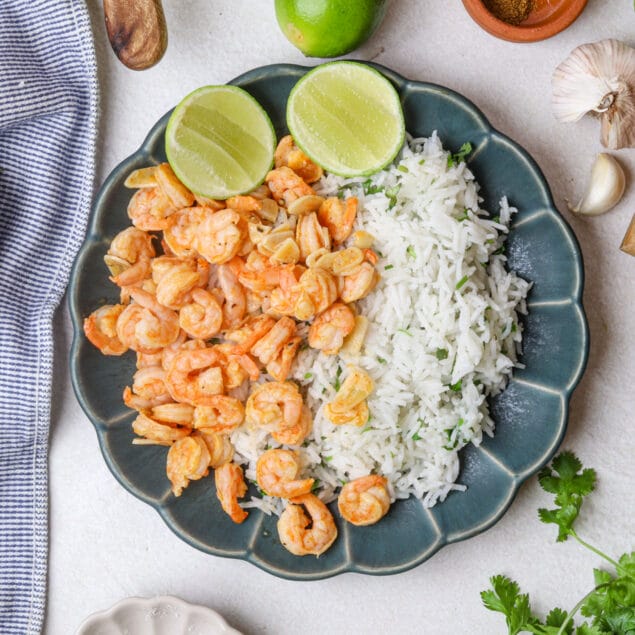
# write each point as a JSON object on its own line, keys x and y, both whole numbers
{"x": 358, "y": 284}
{"x": 220, "y": 448}
{"x": 295, "y": 435}
{"x": 230, "y": 486}
{"x": 243, "y": 204}
{"x": 148, "y": 389}
{"x": 249, "y": 333}
{"x": 181, "y": 229}
{"x": 270, "y": 345}
{"x": 317, "y": 291}
{"x": 174, "y": 288}
{"x": 365, "y": 500}
{"x": 310, "y": 235}
{"x": 149, "y": 208}
{"x": 147, "y": 326}
{"x": 338, "y": 216}
{"x": 158, "y": 433}
{"x": 303, "y": 535}
{"x": 288, "y": 154}
{"x": 330, "y": 327}
{"x": 175, "y": 413}
{"x": 357, "y": 415}
{"x": 100, "y": 327}
{"x": 220, "y": 236}
{"x": 276, "y": 474}
{"x": 195, "y": 376}
{"x": 286, "y": 186}
{"x": 280, "y": 367}
{"x": 188, "y": 460}
{"x": 128, "y": 257}
{"x": 274, "y": 405}
{"x": 181, "y": 344}
{"x": 202, "y": 317}
{"x": 176, "y": 192}
{"x": 147, "y": 360}
{"x": 235, "y": 300}
{"x": 223, "y": 415}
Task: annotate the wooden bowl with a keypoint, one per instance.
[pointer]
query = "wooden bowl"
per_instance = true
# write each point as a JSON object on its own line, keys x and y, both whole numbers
{"x": 547, "y": 18}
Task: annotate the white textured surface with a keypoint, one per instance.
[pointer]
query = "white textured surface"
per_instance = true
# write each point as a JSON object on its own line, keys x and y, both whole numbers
{"x": 106, "y": 545}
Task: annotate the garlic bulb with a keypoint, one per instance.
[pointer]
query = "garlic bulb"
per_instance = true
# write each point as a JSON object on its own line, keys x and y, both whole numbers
{"x": 605, "y": 188}
{"x": 599, "y": 78}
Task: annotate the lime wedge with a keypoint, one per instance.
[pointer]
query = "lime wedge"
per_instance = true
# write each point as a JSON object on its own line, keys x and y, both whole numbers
{"x": 347, "y": 117}
{"x": 220, "y": 142}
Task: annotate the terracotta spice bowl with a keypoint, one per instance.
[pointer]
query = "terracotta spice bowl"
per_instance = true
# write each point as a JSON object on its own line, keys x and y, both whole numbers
{"x": 547, "y": 18}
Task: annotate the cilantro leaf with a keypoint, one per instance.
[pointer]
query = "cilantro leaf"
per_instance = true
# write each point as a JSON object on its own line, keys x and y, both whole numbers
{"x": 461, "y": 155}
{"x": 507, "y": 599}
{"x": 570, "y": 483}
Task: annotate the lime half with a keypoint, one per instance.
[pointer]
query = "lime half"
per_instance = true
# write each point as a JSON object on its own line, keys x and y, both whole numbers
{"x": 347, "y": 117}
{"x": 220, "y": 142}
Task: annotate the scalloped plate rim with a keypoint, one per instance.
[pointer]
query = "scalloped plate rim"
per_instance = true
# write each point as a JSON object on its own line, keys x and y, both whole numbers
{"x": 515, "y": 479}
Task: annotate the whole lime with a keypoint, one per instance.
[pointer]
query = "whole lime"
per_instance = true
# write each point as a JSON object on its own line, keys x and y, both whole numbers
{"x": 329, "y": 28}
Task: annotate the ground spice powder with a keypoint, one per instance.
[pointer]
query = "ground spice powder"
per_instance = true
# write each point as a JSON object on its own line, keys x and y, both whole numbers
{"x": 510, "y": 11}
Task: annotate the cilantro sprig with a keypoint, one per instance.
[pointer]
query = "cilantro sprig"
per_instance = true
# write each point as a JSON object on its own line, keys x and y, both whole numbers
{"x": 610, "y": 605}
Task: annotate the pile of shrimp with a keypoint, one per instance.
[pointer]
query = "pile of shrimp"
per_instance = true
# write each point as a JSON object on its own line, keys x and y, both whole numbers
{"x": 211, "y": 296}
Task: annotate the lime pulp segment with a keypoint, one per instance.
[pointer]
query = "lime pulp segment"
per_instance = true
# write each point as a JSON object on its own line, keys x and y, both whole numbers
{"x": 220, "y": 142}
{"x": 347, "y": 117}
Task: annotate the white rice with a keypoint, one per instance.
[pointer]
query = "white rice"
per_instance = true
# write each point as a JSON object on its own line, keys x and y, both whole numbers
{"x": 443, "y": 336}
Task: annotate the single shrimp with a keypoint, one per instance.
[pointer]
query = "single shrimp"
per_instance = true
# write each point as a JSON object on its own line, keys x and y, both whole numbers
{"x": 220, "y": 236}
{"x": 188, "y": 460}
{"x": 132, "y": 245}
{"x": 230, "y": 486}
{"x": 195, "y": 376}
{"x": 148, "y": 389}
{"x": 174, "y": 190}
{"x": 286, "y": 186}
{"x": 357, "y": 415}
{"x": 280, "y": 367}
{"x": 149, "y": 208}
{"x": 310, "y": 235}
{"x": 274, "y": 405}
{"x": 365, "y": 500}
{"x": 338, "y": 216}
{"x": 317, "y": 291}
{"x": 235, "y": 300}
{"x": 277, "y": 472}
{"x": 303, "y": 534}
{"x": 330, "y": 327}
{"x": 358, "y": 284}
{"x": 175, "y": 285}
{"x": 268, "y": 347}
{"x": 295, "y": 435}
{"x": 181, "y": 228}
{"x": 147, "y": 360}
{"x": 288, "y": 154}
{"x": 220, "y": 448}
{"x": 174, "y": 413}
{"x": 147, "y": 326}
{"x": 182, "y": 343}
{"x": 157, "y": 432}
{"x": 100, "y": 327}
{"x": 222, "y": 416}
{"x": 202, "y": 317}
{"x": 249, "y": 333}
{"x": 244, "y": 204}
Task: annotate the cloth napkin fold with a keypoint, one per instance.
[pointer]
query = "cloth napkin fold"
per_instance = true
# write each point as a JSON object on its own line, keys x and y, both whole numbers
{"x": 48, "y": 127}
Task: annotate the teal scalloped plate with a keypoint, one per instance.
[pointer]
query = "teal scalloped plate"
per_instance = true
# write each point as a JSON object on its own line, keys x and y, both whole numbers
{"x": 531, "y": 414}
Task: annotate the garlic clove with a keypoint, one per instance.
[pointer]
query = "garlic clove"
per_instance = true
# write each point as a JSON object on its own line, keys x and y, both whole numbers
{"x": 599, "y": 78}
{"x": 605, "y": 189}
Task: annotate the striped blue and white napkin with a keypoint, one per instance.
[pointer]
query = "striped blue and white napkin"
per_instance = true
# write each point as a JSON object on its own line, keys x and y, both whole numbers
{"x": 48, "y": 112}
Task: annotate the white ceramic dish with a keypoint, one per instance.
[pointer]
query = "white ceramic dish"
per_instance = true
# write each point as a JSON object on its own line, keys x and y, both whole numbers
{"x": 164, "y": 615}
